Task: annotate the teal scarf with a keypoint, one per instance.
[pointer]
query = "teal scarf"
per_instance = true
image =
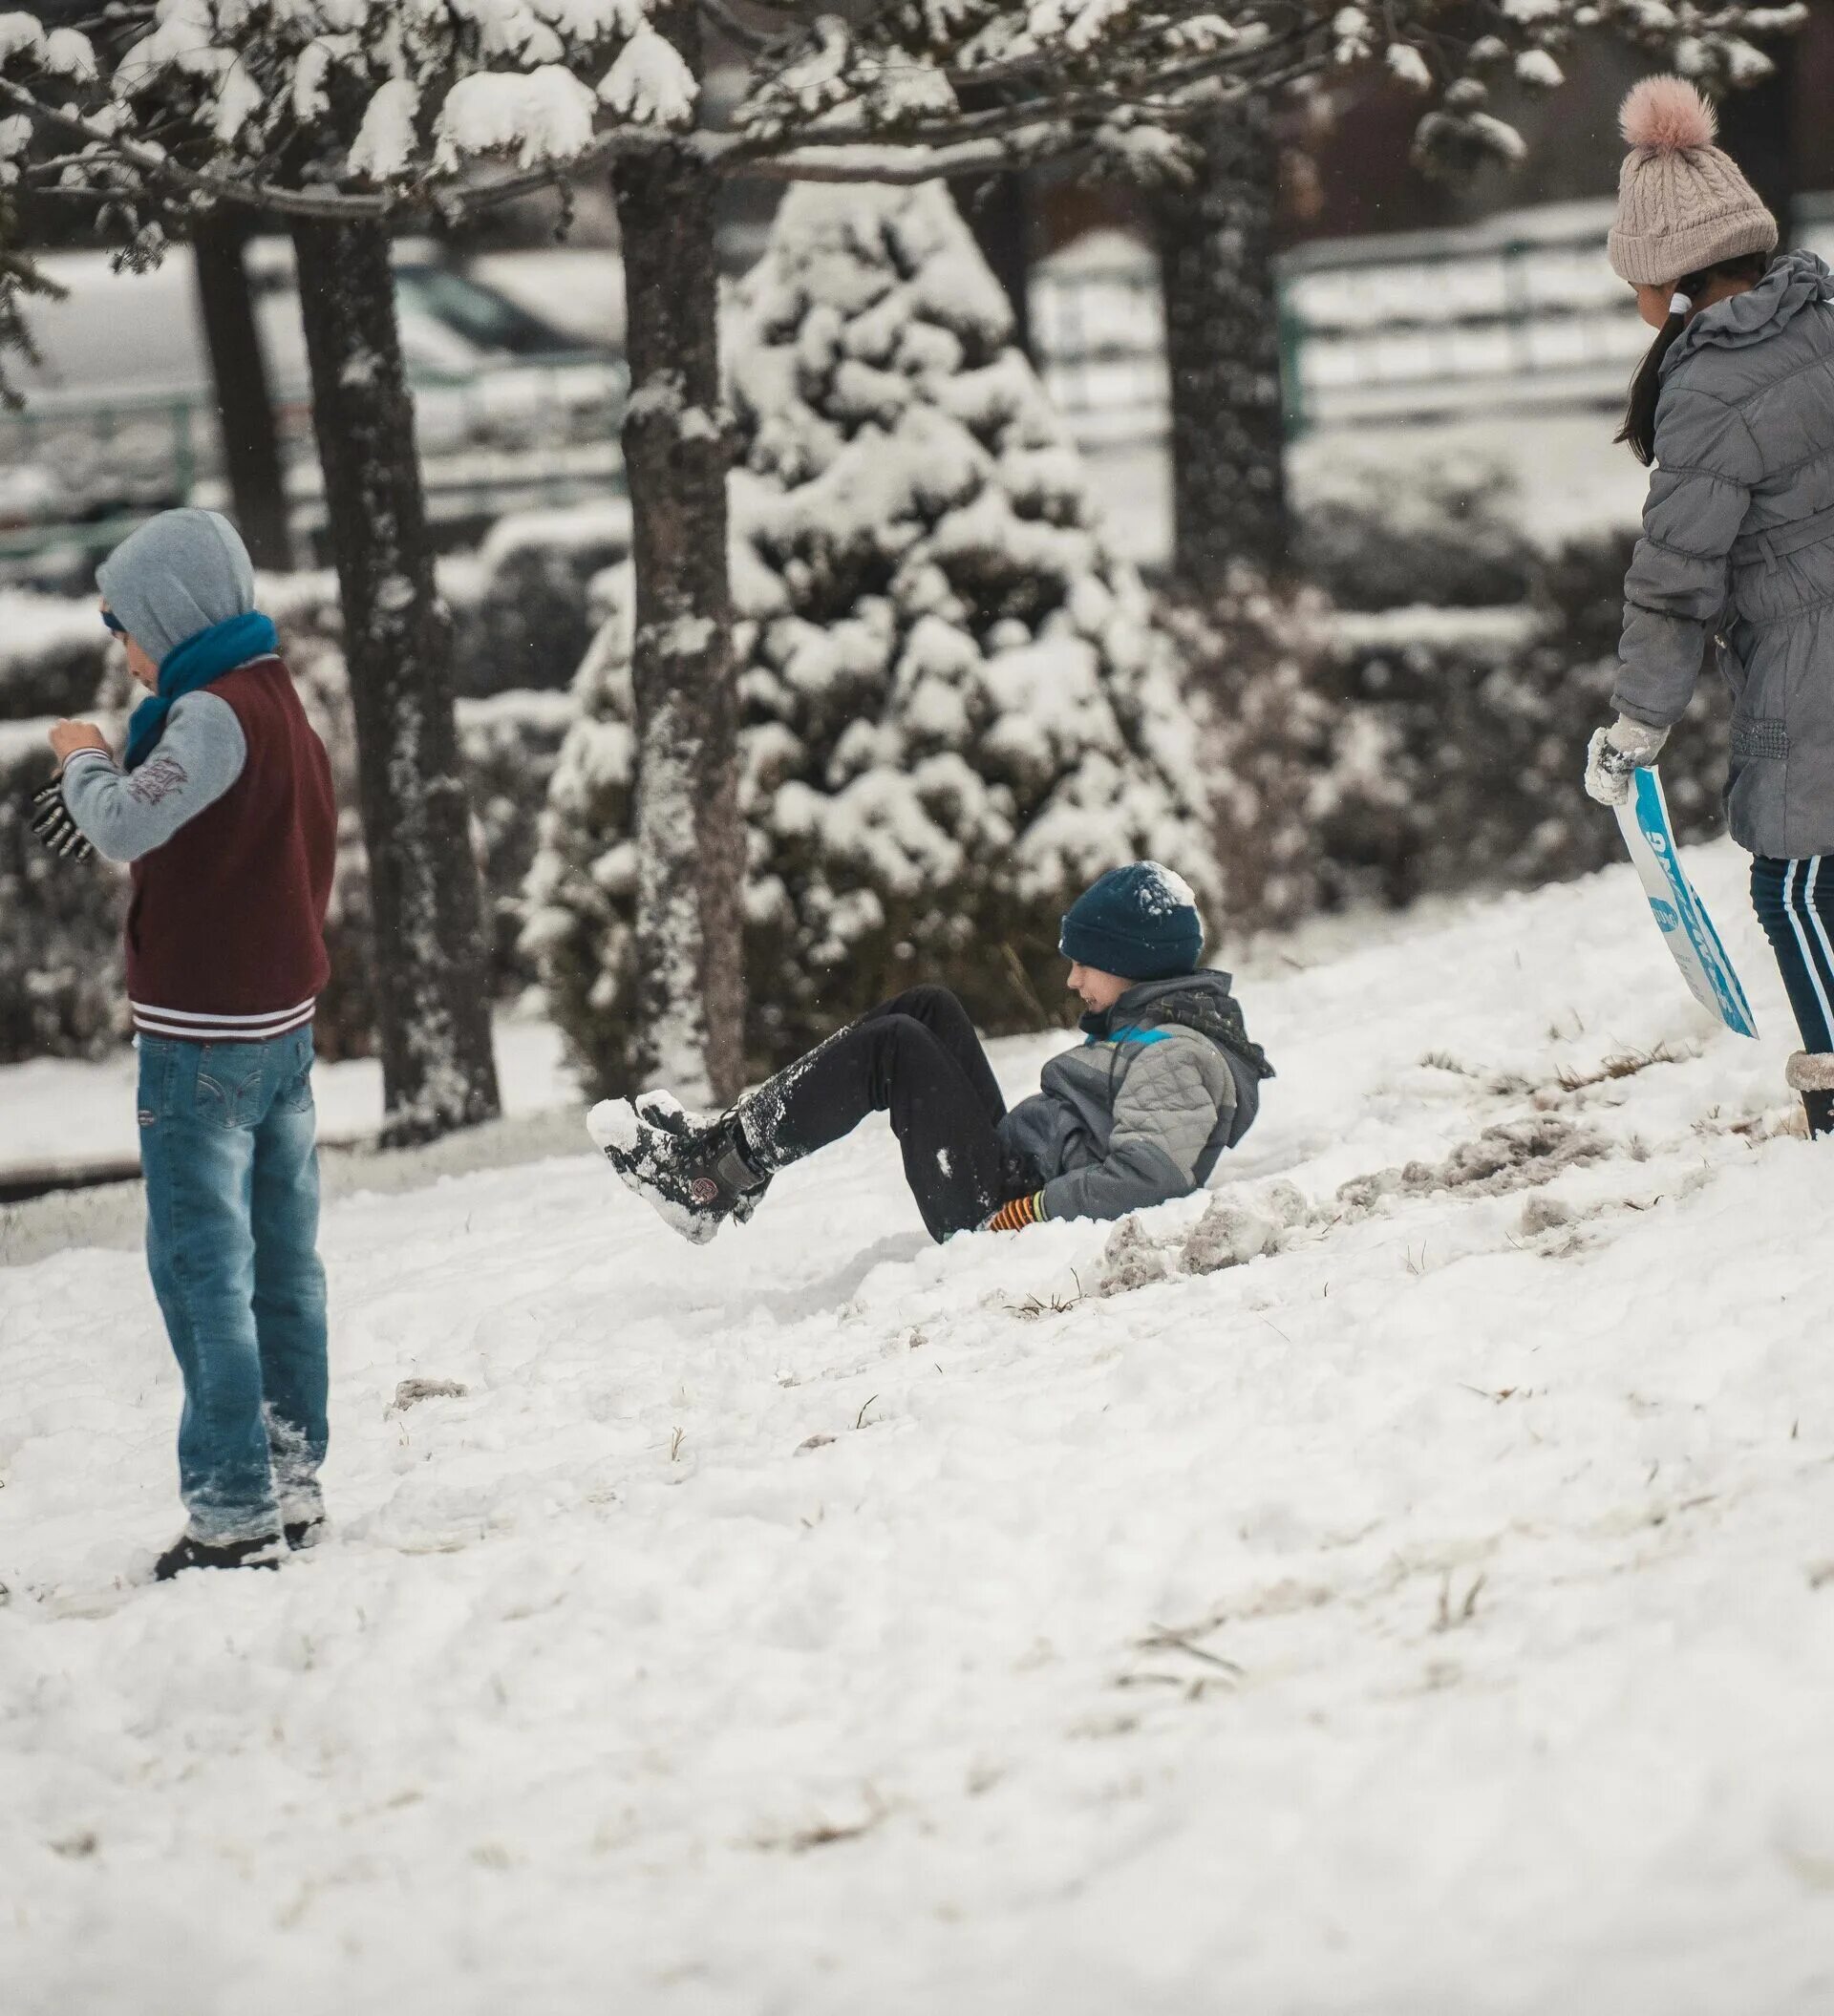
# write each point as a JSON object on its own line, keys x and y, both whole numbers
{"x": 192, "y": 665}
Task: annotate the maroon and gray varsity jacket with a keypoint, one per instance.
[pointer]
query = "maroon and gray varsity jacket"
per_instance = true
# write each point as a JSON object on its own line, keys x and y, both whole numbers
{"x": 231, "y": 829}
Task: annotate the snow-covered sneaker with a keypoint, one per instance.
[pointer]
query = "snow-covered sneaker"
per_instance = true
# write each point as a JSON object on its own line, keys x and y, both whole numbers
{"x": 693, "y": 1179}
{"x": 301, "y": 1534}
{"x": 262, "y": 1552}
{"x": 662, "y": 1108}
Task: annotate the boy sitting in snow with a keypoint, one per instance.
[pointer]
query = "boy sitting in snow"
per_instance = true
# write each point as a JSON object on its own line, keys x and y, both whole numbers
{"x": 1166, "y": 1078}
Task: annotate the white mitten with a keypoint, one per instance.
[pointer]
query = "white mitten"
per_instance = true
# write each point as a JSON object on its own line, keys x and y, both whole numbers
{"x": 1615, "y": 751}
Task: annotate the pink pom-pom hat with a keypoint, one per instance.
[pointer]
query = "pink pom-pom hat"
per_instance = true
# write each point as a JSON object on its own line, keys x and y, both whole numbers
{"x": 1682, "y": 204}
{"x": 1667, "y": 114}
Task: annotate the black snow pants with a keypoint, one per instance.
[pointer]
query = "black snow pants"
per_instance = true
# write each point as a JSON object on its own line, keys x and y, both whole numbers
{"x": 917, "y": 1059}
{"x": 1795, "y": 904}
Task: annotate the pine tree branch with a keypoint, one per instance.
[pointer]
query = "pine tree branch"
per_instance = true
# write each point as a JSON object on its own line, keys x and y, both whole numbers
{"x": 760, "y": 41}
{"x": 867, "y": 162}
{"x": 1168, "y": 97}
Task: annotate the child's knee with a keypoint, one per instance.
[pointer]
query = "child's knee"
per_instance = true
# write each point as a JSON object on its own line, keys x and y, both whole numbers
{"x": 930, "y": 1001}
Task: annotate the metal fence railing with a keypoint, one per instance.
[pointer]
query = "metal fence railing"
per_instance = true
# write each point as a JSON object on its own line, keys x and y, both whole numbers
{"x": 79, "y": 474}
{"x": 1516, "y": 314}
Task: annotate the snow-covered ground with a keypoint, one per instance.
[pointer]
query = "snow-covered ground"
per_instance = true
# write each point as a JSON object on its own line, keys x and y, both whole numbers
{"x": 1433, "y": 1614}
{"x": 59, "y": 1114}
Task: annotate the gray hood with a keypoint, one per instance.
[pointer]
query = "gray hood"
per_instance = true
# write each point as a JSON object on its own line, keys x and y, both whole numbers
{"x": 1793, "y": 280}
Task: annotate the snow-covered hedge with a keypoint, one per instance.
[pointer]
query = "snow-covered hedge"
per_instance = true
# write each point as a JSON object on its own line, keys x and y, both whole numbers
{"x": 956, "y": 708}
{"x": 511, "y": 744}
{"x": 62, "y": 986}
{"x": 1384, "y": 757}
{"x": 507, "y": 745}
{"x": 1444, "y": 537}
{"x": 53, "y": 655}
{"x": 522, "y": 607}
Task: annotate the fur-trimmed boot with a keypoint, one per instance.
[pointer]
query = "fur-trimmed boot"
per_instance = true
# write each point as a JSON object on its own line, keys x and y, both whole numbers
{"x": 1811, "y": 1073}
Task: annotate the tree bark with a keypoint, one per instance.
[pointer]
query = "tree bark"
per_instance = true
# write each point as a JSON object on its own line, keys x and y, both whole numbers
{"x": 1223, "y": 347}
{"x": 677, "y": 445}
{"x": 1758, "y": 129}
{"x": 431, "y": 974}
{"x": 245, "y": 401}
{"x": 998, "y": 210}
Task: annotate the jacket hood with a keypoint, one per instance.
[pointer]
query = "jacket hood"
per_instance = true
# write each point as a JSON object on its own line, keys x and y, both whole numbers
{"x": 1204, "y": 1001}
{"x": 1792, "y": 281}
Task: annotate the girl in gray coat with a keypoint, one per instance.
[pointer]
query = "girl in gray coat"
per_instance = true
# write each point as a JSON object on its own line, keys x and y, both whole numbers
{"x": 1733, "y": 407}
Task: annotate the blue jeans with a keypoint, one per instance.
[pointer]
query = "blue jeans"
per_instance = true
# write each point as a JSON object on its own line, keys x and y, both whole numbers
{"x": 229, "y": 1147}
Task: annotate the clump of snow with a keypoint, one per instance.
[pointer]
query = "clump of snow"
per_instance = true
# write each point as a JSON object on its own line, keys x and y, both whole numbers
{"x": 1164, "y": 890}
{"x": 1228, "y": 1235}
{"x": 386, "y": 140}
{"x": 539, "y": 116}
{"x": 410, "y": 1392}
{"x": 649, "y": 83}
{"x": 1131, "y": 1260}
{"x": 613, "y": 1123}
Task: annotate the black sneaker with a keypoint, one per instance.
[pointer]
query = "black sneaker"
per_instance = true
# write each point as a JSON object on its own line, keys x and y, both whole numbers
{"x": 303, "y": 1533}
{"x": 694, "y": 1180}
{"x": 262, "y": 1552}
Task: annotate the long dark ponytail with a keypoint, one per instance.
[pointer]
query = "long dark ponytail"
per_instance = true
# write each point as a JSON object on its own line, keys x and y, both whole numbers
{"x": 1646, "y": 388}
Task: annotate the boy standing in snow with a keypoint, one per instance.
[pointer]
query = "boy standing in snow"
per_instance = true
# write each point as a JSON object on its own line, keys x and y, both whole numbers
{"x": 223, "y": 806}
{"x": 1166, "y": 1078}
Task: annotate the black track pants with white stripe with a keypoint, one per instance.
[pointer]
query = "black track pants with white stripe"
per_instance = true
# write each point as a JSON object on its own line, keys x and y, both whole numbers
{"x": 1795, "y": 904}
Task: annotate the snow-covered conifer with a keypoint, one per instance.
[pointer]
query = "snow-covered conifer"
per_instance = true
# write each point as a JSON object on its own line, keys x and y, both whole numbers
{"x": 955, "y": 708}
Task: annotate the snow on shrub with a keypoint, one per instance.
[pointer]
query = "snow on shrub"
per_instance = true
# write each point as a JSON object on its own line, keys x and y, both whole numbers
{"x": 956, "y": 710}
{"x": 62, "y": 989}
{"x": 53, "y": 655}
{"x": 1378, "y": 758}
{"x": 1444, "y": 533}
{"x": 520, "y": 607}
{"x": 509, "y": 745}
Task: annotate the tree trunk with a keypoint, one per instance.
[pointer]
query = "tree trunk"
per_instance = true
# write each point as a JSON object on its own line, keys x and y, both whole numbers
{"x": 997, "y": 209}
{"x": 431, "y": 977}
{"x": 245, "y": 403}
{"x": 677, "y": 446}
{"x": 1223, "y": 347}
{"x": 1758, "y": 129}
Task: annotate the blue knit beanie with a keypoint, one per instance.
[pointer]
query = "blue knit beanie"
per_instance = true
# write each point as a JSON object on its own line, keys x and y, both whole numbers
{"x": 1140, "y": 922}
{"x": 181, "y": 572}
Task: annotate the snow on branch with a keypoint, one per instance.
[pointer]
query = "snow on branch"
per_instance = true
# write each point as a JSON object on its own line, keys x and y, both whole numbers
{"x": 354, "y": 108}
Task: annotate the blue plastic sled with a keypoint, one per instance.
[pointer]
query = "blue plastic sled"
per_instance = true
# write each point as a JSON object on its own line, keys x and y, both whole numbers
{"x": 1679, "y": 913}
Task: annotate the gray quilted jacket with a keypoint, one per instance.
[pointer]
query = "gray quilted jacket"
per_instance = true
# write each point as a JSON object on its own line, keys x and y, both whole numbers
{"x": 1164, "y": 1082}
{"x": 1738, "y": 543}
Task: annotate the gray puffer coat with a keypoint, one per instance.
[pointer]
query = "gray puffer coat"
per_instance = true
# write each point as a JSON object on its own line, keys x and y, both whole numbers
{"x": 1739, "y": 542}
{"x": 1164, "y": 1082}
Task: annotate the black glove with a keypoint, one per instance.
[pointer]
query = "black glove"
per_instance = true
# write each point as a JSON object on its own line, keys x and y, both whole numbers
{"x": 53, "y": 826}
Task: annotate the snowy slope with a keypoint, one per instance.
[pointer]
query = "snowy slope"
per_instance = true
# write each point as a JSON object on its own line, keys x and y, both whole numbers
{"x": 1435, "y": 1616}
